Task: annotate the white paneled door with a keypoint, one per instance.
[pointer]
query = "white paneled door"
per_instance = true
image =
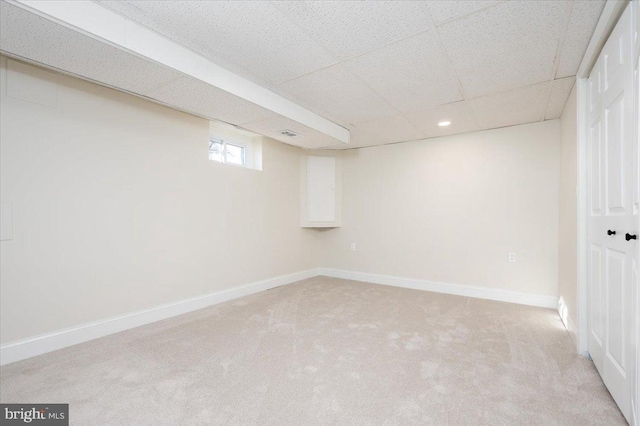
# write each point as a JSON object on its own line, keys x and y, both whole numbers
{"x": 613, "y": 215}
{"x": 635, "y": 262}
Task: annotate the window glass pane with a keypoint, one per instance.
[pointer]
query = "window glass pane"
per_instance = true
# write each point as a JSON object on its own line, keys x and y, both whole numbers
{"x": 215, "y": 150}
{"x": 235, "y": 154}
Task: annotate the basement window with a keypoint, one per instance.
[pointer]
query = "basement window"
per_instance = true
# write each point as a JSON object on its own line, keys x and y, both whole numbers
{"x": 231, "y": 145}
{"x": 228, "y": 152}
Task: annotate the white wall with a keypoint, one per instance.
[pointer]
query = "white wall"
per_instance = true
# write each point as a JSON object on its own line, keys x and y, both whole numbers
{"x": 117, "y": 208}
{"x": 568, "y": 207}
{"x": 451, "y": 209}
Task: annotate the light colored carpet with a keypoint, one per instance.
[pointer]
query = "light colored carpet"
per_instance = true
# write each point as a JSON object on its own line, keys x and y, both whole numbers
{"x": 327, "y": 351}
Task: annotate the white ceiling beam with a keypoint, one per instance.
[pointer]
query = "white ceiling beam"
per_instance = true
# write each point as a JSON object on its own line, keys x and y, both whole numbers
{"x": 105, "y": 25}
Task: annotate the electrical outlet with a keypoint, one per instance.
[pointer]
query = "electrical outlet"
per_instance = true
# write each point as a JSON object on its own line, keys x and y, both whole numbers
{"x": 512, "y": 257}
{"x": 353, "y": 246}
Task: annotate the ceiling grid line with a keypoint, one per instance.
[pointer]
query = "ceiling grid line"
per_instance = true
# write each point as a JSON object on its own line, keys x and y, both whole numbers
{"x": 556, "y": 61}
{"x": 473, "y": 12}
{"x": 450, "y": 62}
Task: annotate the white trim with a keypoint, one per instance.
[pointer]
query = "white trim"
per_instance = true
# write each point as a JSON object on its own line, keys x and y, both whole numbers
{"x": 568, "y": 322}
{"x": 447, "y": 288}
{"x": 23, "y": 349}
{"x": 582, "y": 308}
{"x": 610, "y": 14}
{"x": 96, "y": 21}
{"x": 573, "y": 331}
{"x": 27, "y": 348}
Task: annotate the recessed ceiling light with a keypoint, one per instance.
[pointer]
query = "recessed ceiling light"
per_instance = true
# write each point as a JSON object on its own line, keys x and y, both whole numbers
{"x": 444, "y": 123}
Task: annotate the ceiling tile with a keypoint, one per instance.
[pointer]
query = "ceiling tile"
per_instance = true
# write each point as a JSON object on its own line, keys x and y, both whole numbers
{"x": 206, "y": 100}
{"x": 459, "y": 114}
{"x": 510, "y": 45}
{"x": 388, "y": 130}
{"x": 308, "y": 137}
{"x": 560, "y": 90}
{"x": 316, "y": 110}
{"x": 582, "y": 22}
{"x": 348, "y": 28}
{"x": 336, "y": 90}
{"x": 252, "y": 35}
{"x": 524, "y": 105}
{"x": 412, "y": 74}
{"x": 445, "y": 10}
{"x": 48, "y": 43}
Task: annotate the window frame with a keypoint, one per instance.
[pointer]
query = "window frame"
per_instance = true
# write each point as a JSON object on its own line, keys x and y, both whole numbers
{"x": 233, "y": 142}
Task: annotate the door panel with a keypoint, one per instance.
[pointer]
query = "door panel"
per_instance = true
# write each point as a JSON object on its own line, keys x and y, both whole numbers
{"x": 616, "y": 327}
{"x": 615, "y": 173}
{"x": 594, "y": 94}
{"x": 614, "y": 57}
{"x": 597, "y": 295}
{"x": 595, "y": 160}
{"x": 614, "y": 124}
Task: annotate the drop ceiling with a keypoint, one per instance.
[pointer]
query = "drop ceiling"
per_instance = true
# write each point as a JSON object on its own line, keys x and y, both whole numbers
{"x": 386, "y": 70}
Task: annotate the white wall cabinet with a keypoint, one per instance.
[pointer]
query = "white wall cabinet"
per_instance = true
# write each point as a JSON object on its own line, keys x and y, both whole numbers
{"x": 321, "y": 191}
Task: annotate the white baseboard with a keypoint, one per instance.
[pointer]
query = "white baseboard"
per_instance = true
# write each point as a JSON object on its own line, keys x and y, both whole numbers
{"x": 573, "y": 332}
{"x": 23, "y": 349}
{"x": 568, "y": 322}
{"x": 438, "y": 287}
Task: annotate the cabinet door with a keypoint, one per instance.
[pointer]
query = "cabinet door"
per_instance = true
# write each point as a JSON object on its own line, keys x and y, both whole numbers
{"x": 321, "y": 189}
